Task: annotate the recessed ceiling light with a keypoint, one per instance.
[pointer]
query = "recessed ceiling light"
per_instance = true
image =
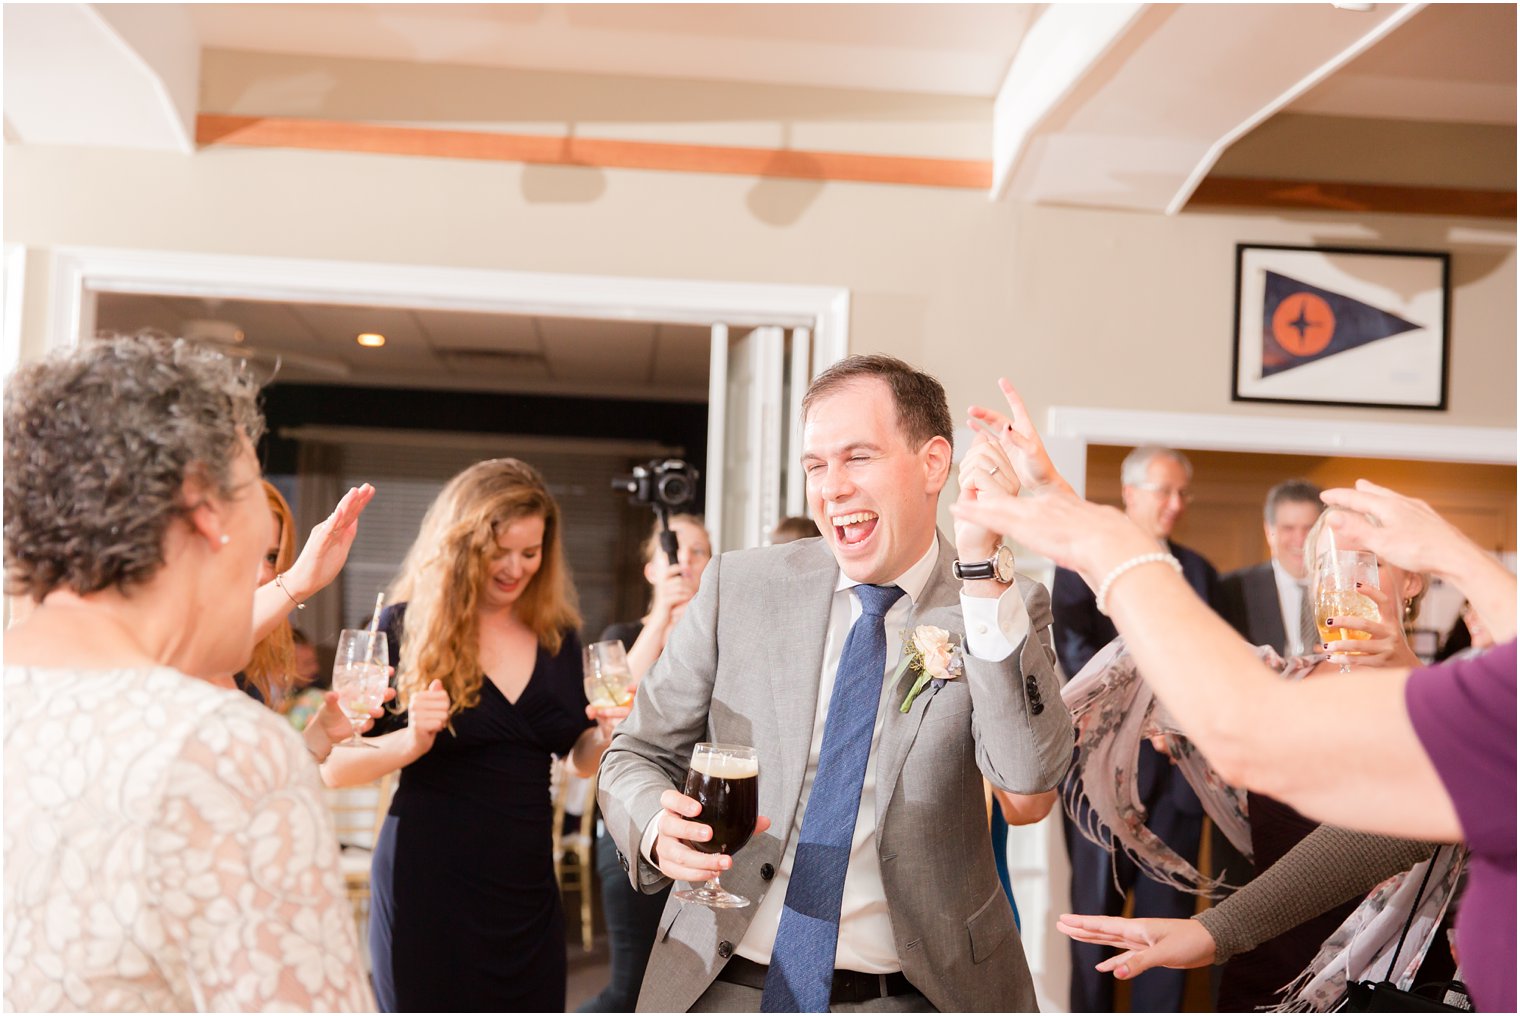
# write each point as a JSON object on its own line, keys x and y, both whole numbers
{"x": 374, "y": 340}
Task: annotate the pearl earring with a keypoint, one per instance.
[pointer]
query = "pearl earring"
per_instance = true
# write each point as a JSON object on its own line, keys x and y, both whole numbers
{"x": 226, "y": 539}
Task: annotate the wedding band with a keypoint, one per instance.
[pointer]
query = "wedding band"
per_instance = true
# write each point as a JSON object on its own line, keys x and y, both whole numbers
{"x": 993, "y": 471}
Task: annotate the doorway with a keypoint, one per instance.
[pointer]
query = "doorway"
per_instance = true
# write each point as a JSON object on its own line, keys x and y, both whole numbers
{"x": 711, "y": 350}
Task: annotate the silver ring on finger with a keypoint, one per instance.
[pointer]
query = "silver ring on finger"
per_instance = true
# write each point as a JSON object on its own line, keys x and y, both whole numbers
{"x": 992, "y": 471}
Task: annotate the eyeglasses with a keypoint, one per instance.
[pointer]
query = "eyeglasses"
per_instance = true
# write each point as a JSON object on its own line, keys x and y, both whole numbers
{"x": 1184, "y": 495}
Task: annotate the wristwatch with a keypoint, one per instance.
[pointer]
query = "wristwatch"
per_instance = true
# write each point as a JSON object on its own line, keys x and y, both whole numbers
{"x": 999, "y": 566}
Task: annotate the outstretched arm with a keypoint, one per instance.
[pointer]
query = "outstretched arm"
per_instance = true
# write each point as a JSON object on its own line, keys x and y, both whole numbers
{"x": 1258, "y": 731}
{"x": 1326, "y": 868}
{"x": 320, "y": 561}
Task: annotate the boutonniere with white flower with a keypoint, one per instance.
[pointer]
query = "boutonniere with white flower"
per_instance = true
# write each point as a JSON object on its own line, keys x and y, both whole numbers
{"x": 933, "y": 655}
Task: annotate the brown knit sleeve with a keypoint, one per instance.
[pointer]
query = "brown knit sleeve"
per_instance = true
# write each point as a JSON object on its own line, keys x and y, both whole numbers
{"x": 1326, "y": 868}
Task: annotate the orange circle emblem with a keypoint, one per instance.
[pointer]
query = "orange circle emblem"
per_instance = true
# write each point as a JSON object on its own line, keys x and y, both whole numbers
{"x": 1303, "y": 324}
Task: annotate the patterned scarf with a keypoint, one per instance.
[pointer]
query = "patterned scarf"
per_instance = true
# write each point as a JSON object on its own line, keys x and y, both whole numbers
{"x": 1114, "y": 709}
{"x": 1361, "y": 949}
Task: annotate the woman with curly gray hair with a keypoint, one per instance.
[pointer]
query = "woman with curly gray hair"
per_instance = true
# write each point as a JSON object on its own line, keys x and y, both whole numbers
{"x": 165, "y": 841}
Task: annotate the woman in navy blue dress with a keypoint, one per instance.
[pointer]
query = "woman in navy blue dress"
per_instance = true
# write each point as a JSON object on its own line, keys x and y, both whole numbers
{"x": 465, "y": 914}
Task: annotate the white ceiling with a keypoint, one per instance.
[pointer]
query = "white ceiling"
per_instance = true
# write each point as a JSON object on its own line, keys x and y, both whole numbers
{"x": 440, "y": 349}
{"x": 1451, "y": 62}
{"x": 1110, "y": 105}
{"x": 941, "y": 49}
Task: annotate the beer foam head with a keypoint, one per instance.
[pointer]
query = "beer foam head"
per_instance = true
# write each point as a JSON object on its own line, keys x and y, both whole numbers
{"x": 725, "y": 767}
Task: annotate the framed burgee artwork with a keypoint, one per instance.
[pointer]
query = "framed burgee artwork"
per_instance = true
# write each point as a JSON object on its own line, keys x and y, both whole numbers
{"x": 1341, "y": 326}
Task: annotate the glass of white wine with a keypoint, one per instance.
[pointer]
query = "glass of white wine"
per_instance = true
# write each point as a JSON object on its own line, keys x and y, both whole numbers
{"x": 361, "y": 673}
{"x": 608, "y": 680}
{"x": 1336, "y": 596}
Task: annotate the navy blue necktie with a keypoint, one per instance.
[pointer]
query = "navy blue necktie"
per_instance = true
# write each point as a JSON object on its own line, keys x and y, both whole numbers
{"x": 801, "y": 974}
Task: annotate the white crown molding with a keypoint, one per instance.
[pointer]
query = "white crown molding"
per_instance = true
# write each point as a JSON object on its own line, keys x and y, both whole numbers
{"x": 1281, "y": 435}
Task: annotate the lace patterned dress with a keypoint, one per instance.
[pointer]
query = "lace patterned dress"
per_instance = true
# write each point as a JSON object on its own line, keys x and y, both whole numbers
{"x": 166, "y": 849}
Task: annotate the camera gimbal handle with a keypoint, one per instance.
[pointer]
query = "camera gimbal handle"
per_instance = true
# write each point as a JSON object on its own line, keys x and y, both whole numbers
{"x": 668, "y": 539}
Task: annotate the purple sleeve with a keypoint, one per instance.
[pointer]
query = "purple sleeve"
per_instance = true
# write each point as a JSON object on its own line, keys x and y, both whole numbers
{"x": 1463, "y": 712}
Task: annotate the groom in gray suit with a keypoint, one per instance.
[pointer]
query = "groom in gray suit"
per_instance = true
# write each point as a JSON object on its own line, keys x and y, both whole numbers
{"x": 871, "y": 870}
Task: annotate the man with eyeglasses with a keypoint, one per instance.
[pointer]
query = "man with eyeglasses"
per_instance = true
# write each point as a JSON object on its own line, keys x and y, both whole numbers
{"x": 1156, "y": 493}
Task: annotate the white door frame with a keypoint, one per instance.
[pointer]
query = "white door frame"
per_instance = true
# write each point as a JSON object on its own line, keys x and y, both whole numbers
{"x": 1070, "y": 429}
{"x": 79, "y": 271}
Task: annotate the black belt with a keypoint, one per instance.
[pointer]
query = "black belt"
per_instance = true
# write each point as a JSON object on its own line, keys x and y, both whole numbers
{"x": 849, "y": 985}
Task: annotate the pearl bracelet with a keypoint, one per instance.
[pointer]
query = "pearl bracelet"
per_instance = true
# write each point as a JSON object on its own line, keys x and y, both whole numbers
{"x": 1134, "y": 562}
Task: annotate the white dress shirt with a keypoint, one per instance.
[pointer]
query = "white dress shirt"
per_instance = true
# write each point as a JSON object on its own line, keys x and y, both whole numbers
{"x": 1290, "y": 595}
{"x": 994, "y": 628}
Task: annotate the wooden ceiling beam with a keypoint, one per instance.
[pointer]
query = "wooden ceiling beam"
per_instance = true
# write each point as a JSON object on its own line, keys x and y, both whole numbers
{"x": 347, "y": 136}
{"x": 1331, "y": 196}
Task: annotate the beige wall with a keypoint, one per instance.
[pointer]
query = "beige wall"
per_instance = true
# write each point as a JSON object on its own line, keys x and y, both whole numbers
{"x": 1079, "y": 307}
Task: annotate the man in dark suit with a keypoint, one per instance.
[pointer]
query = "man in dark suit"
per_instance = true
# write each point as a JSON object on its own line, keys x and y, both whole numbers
{"x": 1156, "y": 493}
{"x": 1269, "y": 603}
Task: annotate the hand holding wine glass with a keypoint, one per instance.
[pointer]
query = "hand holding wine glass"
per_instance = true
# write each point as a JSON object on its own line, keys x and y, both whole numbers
{"x": 1385, "y": 644}
{"x": 334, "y": 722}
{"x": 1339, "y": 579}
{"x": 361, "y": 674}
{"x": 608, "y": 679}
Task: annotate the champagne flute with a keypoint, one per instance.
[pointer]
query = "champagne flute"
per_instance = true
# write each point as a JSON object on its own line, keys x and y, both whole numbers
{"x": 725, "y": 780}
{"x": 608, "y": 679}
{"x": 361, "y": 673}
{"x": 1336, "y": 596}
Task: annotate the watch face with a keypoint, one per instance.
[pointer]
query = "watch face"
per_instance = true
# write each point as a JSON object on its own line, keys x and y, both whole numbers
{"x": 1002, "y": 563}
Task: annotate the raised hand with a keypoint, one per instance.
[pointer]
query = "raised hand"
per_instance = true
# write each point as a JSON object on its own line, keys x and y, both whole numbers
{"x": 1147, "y": 942}
{"x": 673, "y": 857}
{"x": 1413, "y": 536}
{"x": 326, "y": 549}
{"x": 672, "y": 591}
{"x": 1019, "y": 441}
{"x": 984, "y": 471}
{"x": 1408, "y": 532}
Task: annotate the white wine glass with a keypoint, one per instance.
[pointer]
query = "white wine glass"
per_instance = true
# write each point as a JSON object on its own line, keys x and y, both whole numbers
{"x": 1336, "y": 596}
{"x": 608, "y": 680}
{"x": 361, "y": 673}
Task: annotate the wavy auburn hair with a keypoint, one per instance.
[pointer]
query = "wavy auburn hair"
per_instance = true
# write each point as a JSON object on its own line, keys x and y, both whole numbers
{"x": 273, "y": 665}
{"x": 450, "y": 562}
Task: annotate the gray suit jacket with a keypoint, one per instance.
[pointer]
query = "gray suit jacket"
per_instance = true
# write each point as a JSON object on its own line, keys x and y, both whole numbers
{"x": 743, "y": 667}
{"x": 1248, "y": 600}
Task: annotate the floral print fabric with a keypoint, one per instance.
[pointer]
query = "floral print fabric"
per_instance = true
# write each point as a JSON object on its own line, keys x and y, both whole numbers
{"x": 166, "y": 848}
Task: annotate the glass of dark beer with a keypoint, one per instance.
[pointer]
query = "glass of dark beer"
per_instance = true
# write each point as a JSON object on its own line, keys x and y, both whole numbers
{"x": 725, "y": 780}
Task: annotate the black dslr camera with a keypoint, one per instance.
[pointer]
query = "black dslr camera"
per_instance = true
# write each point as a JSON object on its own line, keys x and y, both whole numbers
{"x": 666, "y": 485}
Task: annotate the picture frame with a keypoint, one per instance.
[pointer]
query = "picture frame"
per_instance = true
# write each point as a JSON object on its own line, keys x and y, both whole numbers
{"x": 1341, "y": 326}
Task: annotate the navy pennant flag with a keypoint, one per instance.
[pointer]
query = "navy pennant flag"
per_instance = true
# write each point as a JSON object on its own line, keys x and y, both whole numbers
{"x": 1303, "y": 323}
